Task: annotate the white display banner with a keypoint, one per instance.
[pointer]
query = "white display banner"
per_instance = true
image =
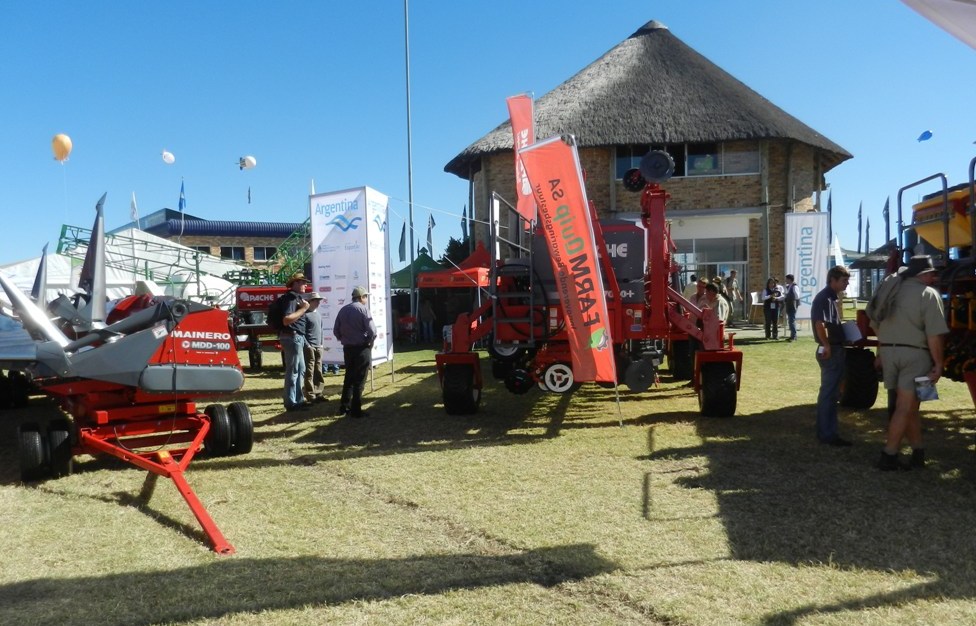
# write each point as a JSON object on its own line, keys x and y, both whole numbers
{"x": 806, "y": 255}
{"x": 350, "y": 244}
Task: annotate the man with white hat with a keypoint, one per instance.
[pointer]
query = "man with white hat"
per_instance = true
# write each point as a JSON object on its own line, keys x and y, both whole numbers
{"x": 911, "y": 329}
{"x": 355, "y": 330}
{"x": 292, "y": 340}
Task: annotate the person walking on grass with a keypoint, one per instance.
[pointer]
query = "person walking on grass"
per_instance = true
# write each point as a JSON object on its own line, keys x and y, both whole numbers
{"x": 826, "y": 319}
{"x": 909, "y": 319}
{"x": 735, "y": 296}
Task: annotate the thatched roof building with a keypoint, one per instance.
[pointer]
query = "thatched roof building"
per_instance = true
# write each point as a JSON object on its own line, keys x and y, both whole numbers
{"x": 653, "y": 89}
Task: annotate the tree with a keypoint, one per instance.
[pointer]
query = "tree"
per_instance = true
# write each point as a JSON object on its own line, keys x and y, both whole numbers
{"x": 455, "y": 252}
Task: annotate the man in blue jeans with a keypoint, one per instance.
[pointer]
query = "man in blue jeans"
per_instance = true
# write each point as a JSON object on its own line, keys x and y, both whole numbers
{"x": 292, "y": 340}
{"x": 825, "y": 315}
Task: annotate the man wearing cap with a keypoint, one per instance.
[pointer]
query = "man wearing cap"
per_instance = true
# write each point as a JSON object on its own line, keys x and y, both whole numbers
{"x": 355, "y": 330}
{"x": 911, "y": 332}
{"x": 292, "y": 339}
{"x": 314, "y": 380}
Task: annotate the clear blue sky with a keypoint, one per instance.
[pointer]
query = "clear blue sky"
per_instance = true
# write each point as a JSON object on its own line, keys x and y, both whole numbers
{"x": 315, "y": 90}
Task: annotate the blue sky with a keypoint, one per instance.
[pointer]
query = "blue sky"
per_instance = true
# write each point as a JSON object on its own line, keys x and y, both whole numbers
{"x": 317, "y": 91}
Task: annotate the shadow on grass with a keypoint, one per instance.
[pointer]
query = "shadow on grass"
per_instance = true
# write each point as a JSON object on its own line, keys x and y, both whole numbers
{"x": 235, "y": 585}
{"x": 784, "y": 497}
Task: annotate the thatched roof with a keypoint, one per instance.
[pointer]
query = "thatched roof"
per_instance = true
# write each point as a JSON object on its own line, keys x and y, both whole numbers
{"x": 653, "y": 89}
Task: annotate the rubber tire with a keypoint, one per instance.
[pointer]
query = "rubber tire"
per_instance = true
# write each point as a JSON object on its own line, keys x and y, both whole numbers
{"x": 59, "y": 448}
{"x": 460, "y": 395}
{"x": 33, "y": 464}
{"x": 241, "y": 428}
{"x": 681, "y": 360}
{"x": 218, "y": 439}
{"x": 717, "y": 394}
{"x": 860, "y": 380}
{"x": 506, "y": 356}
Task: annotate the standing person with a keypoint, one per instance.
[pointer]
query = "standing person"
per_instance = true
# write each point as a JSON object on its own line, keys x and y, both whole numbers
{"x": 791, "y": 301}
{"x": 715, "y": 301}
{"x": 826, "y": 318}
{"x": 911, "y": 337}
{"x": 292, "y": 339}
{"x": 689, "y": 291}
{"x": 314, "y": 379}
{"x": 723, "y": 295}
{"x": 735, "y": 296}
{"x": 772, "y": 299}
{"x": 426, "y": 321}
{"x": 355, "y": 330}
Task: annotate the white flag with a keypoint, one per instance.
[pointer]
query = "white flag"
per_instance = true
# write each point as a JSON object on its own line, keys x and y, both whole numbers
{"x": 133, "y": 209}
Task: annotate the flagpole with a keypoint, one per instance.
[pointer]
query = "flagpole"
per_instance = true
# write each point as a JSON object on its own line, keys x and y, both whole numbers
{"x": 406, "y": 49}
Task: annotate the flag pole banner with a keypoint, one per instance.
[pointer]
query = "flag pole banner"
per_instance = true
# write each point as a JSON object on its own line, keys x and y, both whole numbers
{"x": 350, "y": 243}
{"x": 520, "y": 111}
{"x": 553, "y": 168}
{"x": 806, "y": 255}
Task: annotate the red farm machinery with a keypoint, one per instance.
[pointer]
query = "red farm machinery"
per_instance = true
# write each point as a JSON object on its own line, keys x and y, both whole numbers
{"x": 521, "y": 319}
{"x": 127, "y": 380}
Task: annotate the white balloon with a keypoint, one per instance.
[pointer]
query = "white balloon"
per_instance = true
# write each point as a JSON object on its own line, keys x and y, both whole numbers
{"x": 247, "y": 162}
{"x": 168, "y": 158}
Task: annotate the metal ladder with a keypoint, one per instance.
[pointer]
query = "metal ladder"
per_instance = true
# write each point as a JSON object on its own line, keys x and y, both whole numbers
{"x": 510, "y": 237}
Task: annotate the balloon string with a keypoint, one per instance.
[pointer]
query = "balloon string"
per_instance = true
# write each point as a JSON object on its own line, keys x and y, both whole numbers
{"x": 64, "y": 178}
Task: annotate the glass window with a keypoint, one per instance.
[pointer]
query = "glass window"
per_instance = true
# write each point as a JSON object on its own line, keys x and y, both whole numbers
{"x": 204, "y": 249}
{"x": 695, "y": 159}
{"x": 235, "y": 253}
{"x": 264, "y": 253}
{"x": 704, "y": 159}
{"x": 740, "y": 161}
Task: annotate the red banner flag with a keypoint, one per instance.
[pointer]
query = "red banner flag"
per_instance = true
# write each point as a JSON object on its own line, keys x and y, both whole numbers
{"x": 523, "y": 131}
{"x": 557, "y": 184}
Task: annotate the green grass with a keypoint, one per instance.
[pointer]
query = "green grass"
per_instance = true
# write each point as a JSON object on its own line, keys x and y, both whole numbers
{"x": 540, "y": 509}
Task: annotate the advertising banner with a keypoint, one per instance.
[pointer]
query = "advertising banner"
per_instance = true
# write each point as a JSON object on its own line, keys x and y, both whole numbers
{"x": 350, "y": 244}
{"x": 806, "y": 255}
{"x": 523, "y": 131}
{"x": 557, "y": 184}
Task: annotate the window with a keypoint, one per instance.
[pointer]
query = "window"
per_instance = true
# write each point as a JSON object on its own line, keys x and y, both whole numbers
{"x": 264, "y": 253}
{"x": 235, "y": 253}
{"x": 204, "y": 249}
{"x": 694, "y": 159}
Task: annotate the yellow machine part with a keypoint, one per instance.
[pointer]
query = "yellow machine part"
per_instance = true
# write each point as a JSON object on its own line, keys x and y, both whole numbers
{"x": 927, "y": 220}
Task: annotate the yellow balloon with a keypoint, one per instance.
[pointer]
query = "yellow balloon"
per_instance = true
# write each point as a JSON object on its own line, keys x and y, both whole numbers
{"x": 61, "y": 147}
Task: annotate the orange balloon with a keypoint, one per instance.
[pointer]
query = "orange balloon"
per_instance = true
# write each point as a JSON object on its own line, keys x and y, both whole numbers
{"x": 61, "y": 147}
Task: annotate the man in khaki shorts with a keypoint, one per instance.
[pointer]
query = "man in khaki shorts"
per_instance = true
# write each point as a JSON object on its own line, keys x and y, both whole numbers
{"x": 911, "y": 337}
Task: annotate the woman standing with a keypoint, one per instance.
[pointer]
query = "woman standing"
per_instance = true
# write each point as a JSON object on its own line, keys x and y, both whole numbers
{"x": 772, "y": 299}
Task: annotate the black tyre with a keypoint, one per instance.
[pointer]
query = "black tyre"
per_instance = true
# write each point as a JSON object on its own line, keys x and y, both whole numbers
{"x": 681, "y": 360}
{"x": 241, "y": 428}
{"x": 505, "y": 352}
{"x": 501, "y": 369}
{"x": 860, "y": 380}
{"x": 33, "y": 465}
{"x": 218, "y": 439}
{"x": 59, "y": 448}
{"x": 461, "y": 397}
{"x": 717, "y": 394}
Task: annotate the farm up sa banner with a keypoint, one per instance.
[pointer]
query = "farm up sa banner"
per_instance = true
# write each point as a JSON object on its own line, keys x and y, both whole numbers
{"x": 557, "y": 184}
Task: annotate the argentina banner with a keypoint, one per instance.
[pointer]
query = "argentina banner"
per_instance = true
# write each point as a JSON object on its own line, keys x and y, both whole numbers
{"x": 806, "y": 255}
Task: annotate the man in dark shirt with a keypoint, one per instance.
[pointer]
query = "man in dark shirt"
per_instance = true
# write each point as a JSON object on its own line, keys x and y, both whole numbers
{"x": 292, "y": 339}
{"x": 355, "y": 330}
{"x": 314, "y": 379}
{"x": 825, "y": 315}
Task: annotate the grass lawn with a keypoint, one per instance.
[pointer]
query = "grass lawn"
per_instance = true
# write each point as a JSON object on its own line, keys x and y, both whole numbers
{"x": 540, "y": 509}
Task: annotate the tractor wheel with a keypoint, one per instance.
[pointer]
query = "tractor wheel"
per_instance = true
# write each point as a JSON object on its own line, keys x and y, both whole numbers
{"x": 241, "y": 428}
{"x": 218, "y": 439}
{"x": 505, "y": 352}
{"x": 32, "y": 462}
{"x": 717, "y": 394}
{"x": 501, "y": 369}
{"x": 681, "y": 360}
{"x": 559, "y": 378}
{"x": 860, "y": 380}
{"x": 20, "y": 389}
{"x": 460, "y": 395}
{"x": 59, "y": 448}
{"x": 254, "y": 359}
